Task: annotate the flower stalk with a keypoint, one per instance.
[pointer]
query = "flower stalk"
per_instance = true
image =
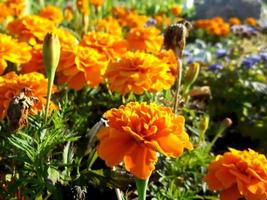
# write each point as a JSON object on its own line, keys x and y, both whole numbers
{"x": 51, "y": 55}
{"x": 141, "y": 188}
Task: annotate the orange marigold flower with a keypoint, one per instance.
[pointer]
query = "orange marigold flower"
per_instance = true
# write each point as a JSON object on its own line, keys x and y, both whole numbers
{"x": 67, "y": 42}
{"x": 31, "y": 27}
{"x": 169, "y": 58}
{"x": 5, "y": 11}
{"x": 176, "y": 10}
{"x": 109, "y": 25}
{"x": 52, "y": 13}
{"x": 145, "y": 39}
{"x": 17, "y": 7}
{"x": 83, "y": 6}
{"x": 132, "y": 20}
{"x": 138, "y": 72}
{"x": 97, "y": 3}
{"x": 136, "y": 132}
{"x": 13, "y": 51}
{"x": 239, "y": 174}
{"x": 12, "y": 84}
{"x": 84, "y": 66}
{"x": 110, "y": 45}
{"x": 251, "y": 21}
{"x": 119, "y": 11}
{"x": 234, "y": 21}
{"x": 68, "y": 13}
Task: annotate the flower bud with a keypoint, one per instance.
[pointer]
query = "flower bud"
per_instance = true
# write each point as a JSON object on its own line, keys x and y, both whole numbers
{"x": 204, "y": 123}
{"x": 192, "y": 73}
{"x": 51, "y": 54}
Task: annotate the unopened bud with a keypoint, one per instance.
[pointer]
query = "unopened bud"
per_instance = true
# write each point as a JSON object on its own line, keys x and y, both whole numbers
{"x": 51, "y": 54}
{"x": 227, "y": 122}
{"x": 204, "y": 123}
{"x": 192, "y": 73}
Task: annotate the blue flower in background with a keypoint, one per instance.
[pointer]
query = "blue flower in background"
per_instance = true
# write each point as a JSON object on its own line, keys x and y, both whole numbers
{"x": 215, "y": 67}
{"x": 263, "y": 55}
{"x": 220, "y": 53}
{"x": 150, "y": 22}
{"x": 249, "y": 62}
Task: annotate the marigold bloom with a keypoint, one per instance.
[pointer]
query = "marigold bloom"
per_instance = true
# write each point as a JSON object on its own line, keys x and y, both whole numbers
{"x": 31, "y": 28}
{"x": 176, "y": 10}
{"x": 13, "y": 51}
{"x": 239, "y": 174}
{"x": 169, "y": 58}
{"x": 136, "y": 132}
{"x": 17, "y": 7}
{"x": 83, "y": 6}
{"x": 110, "y": 45}
{"x": 84, "y": 66}
{"x": 5, "y": 11}
{"x": 109, "y": 25}
{"x": 97, "y": 3}
{"x": 138, "y": 72}
{"x": 68, "y": 13}
{"x": 52, "y": 13}
{"x": 234, "y": 21}
{"x": 145, "y": 39}
{"x": 11, "y": 84}
{"x": 251, "y": 21}
{"x": 119, "y": 11}
{"x": 132, "y": 20}
{"x": 67, "y": 40}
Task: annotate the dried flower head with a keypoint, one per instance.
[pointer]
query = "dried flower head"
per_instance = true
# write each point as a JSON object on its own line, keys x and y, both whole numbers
{"x": 175, "y": 37}
{"x": 138, "y": 72}
{"x": 136, "y": 132}
{"x": 12, "y": 84}
{"x": 239, "y": 174}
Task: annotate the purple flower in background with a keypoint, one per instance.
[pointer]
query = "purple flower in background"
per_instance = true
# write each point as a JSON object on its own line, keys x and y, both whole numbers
{"x": 220, "y": 53}
{"x": 150, "y": 22}
{"x": 215, "y": 67}
{"x": 186, "y": 53}
{"x": 249, "y": 62}
{"x": 263, "y": 55}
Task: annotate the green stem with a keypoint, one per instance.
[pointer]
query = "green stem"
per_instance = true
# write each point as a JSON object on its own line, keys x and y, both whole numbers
{"x": 178, "y": 83}
{"x": 49, "y": 91}
{"x": 218, "y": 134}
{"x": 141, "y": 188}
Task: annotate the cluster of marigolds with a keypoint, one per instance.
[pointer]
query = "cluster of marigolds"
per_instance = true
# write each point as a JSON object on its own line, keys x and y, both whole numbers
{"x": 127, "y": 61}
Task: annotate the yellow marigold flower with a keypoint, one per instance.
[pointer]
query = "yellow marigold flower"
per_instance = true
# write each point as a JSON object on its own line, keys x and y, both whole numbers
{"x": 13, "y": 51}
{"x": 97, "y": 3}
{"x": 234, "y": 21}
{"x": 67, "y": 40}
{"x": 251, "y": 21}
{"x": 176, "y": 10}
{"x": 145, "y": 39}
{"x": 31, "y": 27}
{"x": 17, "y": 7}
{"x": 86, "y": 65}
{"x": 109, "y": 25}
{"x": 52, "y": 13}
{"x": 110, "y": 45}
{"x": 136, "y": 132}
{"x": 169, "y": 58}
{"x": 138, "y": 72}
{"x": 239, "y": 174}
{"x": 11, "y": 84}
{"x": 83, "y": 6}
